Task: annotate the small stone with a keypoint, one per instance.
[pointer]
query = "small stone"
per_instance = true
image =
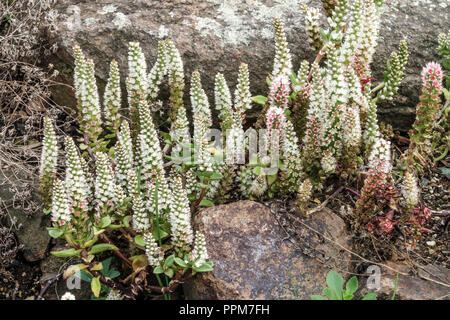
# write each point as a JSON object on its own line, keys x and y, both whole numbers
{"x": 431, "y": 243}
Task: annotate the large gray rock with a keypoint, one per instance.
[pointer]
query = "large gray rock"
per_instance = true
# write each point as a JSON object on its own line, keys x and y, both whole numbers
{"x": 254, "y": 258}
{"x": 216, "y": 35}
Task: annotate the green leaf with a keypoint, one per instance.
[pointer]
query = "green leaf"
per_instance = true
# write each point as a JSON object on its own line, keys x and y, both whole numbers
{"x": 180, "y": 262}
{"x": 106, "y": 221}
{"x": 446, "y": 64}
{"x": 85, "y": 276}
{"x": 445, "y": 170}
{"x": 115, "y": 226}
{"x": 106, "y": 263}
{"x": 351, "y": 286}
{"x": 335, "y": 282}
{"x": 169, "y": 261}
{"x": 139, "y": 262}
{"x": 216, "y": 176}
{"x": 162, "y": 234}
{"x": 66, "y": 253}
{"x": 202, "y": 185}
{"x": 82, "y": 146}
{"x": 206, "y": 267}
{"x": 446, "y": 94}
{"x": 89, "y": 243}
{"x": 113, "y": 274}
{"x": 97, "y": 267}
{"x": 158, "y": 270}
{"x": 139, "y": 240}
{"x": 330, "y": 294}
{"x": 272, "y": 178}
{"x": 287, "y": 112}
{"x": 55, "y": 233}
{"x": 166, "y": 136}
{"x": 206, "y": 203}
{"x": 169, "y": 273}
{"x": 70, "y": 271}
{"x": 293, "y": 78}
{"x": 259, "y": 100}
{"x": 370, "y": 296}
{"x": 110, "y": 136}
{"x": 347, "y": 296}
{"x": 317, "y": 297}
{"x": 126, "y": 221}
{"x": 102, "y": 247}
{"x": 323, "y": 34}
{"x": 98, "y": 231}
{"x": 96, "y": 286}
{"x": 257, "y": 170}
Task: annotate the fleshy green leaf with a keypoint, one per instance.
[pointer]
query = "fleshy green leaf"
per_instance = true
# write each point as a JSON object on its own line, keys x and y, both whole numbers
{"x": 85, "y": 276}
{"x": 216, "y": 176}
{"x": 370, "y": 296}
{"x": 66, "y": 253}
{"x": 330, "y": 294}
{"x": 206, "y": 267}
{"x": 96, "y": 286}
{"x": 257, "y": 170}
{"x": 180, "y": 262}
{"x": 169, "y": 261}
{"x": 272, "y": 178}
{"x": 106, "y": 221}
{"x": 206, "y": 203}
{"x": 102, "y": 247}
{"x": 158, "y": 270}
{"x": 55, "y": 233}
{"x": 97, "y": 267}
{"x": 259, "y": 100}
{"x": 70, "y": 271}
{"x": 113, "y": 274}
{"x": 446, "y": 94}
{"x": 126, "y": 221}
{"x": 139, "y": 240}
{"x": 317, "y": 297}
{"x": 351, "y": 286}
{"x": 169, "y": 273}
{"x": 162, "y": 234}
{"x": 335, "y": 282}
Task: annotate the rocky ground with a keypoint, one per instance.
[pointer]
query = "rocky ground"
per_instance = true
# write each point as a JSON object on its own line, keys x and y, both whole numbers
{"x": 269, "y": 251}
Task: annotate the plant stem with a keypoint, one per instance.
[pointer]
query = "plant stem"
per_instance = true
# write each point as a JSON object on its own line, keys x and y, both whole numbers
{"x": 202, "y": 195}
{"x": 395, "y": 288}
{"x": 378, "y": 87}
{"x": 158, "y": 232}
{"x": 117, "y": 252}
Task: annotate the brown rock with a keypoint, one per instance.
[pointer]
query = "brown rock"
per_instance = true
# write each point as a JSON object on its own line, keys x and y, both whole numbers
{"x": 429, "y": 283}
{"x": 253, "y": 259}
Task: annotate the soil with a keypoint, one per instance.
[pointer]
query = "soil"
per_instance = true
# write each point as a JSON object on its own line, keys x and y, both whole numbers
{"x": 20, "y": 280}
